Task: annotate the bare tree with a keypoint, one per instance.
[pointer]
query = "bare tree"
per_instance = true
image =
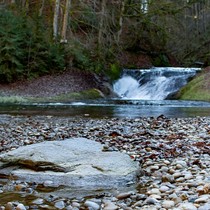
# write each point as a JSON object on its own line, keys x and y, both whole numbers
{"x": 65, "y": 22}
{"x": 101, "y": 23}
{"x": 121, "y": 20}
{"x": 41, "y": 8}
{"x": 55, "y": 19}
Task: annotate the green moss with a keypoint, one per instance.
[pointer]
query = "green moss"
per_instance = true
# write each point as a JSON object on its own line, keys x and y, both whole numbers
{"x": 83, "y": 95}
{"x": 195, "y": 90}
{"x": 87, "y": 94}
{"x": 12, "y": 99}
{"x": 114, "y": 71}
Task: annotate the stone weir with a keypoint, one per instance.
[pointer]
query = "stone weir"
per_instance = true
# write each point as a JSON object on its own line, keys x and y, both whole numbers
{"x": 76, "y": 162}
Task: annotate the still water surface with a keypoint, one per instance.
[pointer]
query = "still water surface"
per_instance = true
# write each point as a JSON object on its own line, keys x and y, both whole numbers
{"x": 112, "y": 108}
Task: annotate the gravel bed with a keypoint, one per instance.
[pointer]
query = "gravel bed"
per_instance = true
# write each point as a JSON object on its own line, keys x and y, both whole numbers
{"x": 173, "y": 155}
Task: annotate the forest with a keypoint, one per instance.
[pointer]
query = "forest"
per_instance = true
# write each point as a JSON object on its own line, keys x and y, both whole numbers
{"x": 39, "y": 37}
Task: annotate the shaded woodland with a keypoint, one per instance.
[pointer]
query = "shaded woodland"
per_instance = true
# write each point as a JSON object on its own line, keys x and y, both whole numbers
{"x": 40, "y": 37}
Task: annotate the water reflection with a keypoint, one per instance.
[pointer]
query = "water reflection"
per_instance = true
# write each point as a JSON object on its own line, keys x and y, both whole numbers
{"x": 112, "y": 108}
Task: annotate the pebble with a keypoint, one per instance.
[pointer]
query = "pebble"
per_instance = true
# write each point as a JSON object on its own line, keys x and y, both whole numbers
{"x": 108, "y": 205}
{"x": 124, "y": 195}
{"x": 187, "y": 206}
{"x": 48, "y": 183}
{"x": 173, "y": 155}
{"x": 168, "y": 204}
{"x": 164, "y": 188}
{"x": 203, "y": 199}
{"x": 60, "y": 204}
{"x": 150, "y": 200}
{"x": 20, "y": 207}
{"x": 38, "y": 201}
{"x": 92, "y": 205}
{"x": 205, "y": 207}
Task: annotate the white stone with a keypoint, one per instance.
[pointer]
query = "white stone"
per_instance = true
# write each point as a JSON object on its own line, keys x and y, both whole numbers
{"x": 155, "y": 196}
{"x": 48, "y": 183}
{"x": 168, "y": 204}
{"x": 38, "y": 201}
{"x": 164, "y": 169}
{"x": 20, "y": 207}
{"x": 181, "y": 162}
{"x": 205, "y": 207}
{"x": 202, "y": 199}
{"x": 108, "y": 205}
{"x": 92, "y": 205}
{"x": 154, "y": 191}
{"x": 60, "y": 204}
{"x": 151, "y": 201}
{"x": 187, "y": 206}
{"x": 164, "y": 188}
{"x": 188, "y": 176}
{"x": 177, "y": 175}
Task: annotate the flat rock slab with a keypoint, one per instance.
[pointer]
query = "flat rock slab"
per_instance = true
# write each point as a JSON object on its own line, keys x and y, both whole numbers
{"x": 76, "y": 162}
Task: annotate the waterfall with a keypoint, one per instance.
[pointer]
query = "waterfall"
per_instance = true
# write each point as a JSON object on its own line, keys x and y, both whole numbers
{"x": 152, "y": 84}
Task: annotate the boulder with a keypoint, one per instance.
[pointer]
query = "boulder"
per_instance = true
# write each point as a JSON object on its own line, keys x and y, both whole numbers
{"x": 76, "y": 162}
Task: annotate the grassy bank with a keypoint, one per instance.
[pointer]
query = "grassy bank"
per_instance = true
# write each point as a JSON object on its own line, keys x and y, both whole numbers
{"x": 197, "y": 89}
{"x": 67, "y": 97}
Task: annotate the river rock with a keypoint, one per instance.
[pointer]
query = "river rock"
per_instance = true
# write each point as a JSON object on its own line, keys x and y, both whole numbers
{"x": 76, "y": 162}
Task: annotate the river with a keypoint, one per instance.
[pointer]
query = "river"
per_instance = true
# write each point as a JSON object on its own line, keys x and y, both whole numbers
{"x": 118, "y": 108}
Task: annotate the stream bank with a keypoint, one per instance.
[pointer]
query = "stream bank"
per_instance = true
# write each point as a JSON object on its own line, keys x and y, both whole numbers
{"x": 70, "y": 85}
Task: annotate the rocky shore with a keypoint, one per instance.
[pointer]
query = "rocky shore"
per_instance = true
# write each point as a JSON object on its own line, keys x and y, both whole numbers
{"x": 173, "y": 156}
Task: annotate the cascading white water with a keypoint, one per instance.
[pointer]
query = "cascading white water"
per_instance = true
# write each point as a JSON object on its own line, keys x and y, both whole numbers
{"x": 152, "y": 84}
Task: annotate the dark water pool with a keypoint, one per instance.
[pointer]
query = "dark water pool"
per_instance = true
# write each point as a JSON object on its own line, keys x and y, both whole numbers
{"x": 112, "y": 108}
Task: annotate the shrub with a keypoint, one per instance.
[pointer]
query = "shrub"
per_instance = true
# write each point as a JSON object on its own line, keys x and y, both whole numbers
{"x": 10, "y": 47}
{"x": 26, "y": 49}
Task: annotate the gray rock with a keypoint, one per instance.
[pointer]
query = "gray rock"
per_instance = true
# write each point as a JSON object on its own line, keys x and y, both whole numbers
{"x": 76, "y": 162}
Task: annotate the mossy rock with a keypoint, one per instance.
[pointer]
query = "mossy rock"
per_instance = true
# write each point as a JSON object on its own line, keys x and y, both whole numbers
{"x": 196, "y": 89}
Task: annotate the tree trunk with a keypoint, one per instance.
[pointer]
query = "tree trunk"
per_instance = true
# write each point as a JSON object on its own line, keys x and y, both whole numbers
{"x": 121, "y": 20}
{"x": 65, "y": 22}
{"x": 56, "y": 18}
{"x": 101, "y": 23}
{"x": 41, "y": 8}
